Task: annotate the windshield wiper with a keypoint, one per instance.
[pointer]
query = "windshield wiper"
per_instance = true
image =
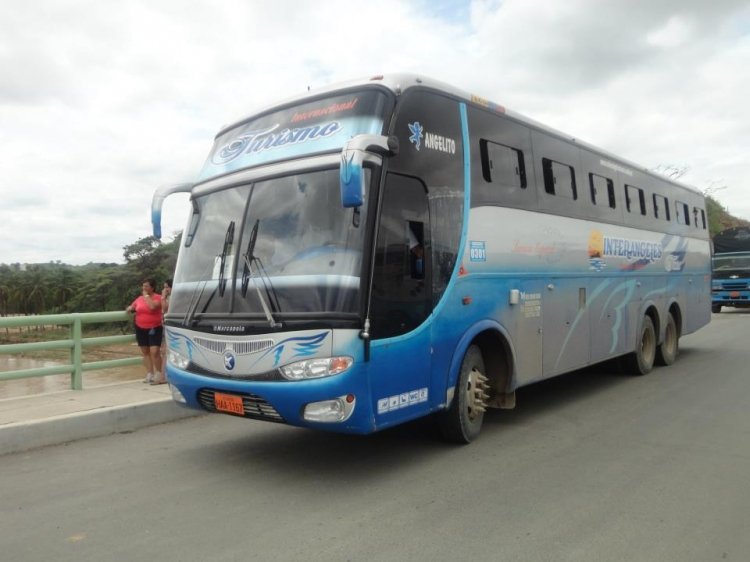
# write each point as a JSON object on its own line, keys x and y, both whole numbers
{"x": 220, "y": 287}
{"x": 228, "y": 239}
{"x": 249, "y": 257}
{"x": 247, "y": 273}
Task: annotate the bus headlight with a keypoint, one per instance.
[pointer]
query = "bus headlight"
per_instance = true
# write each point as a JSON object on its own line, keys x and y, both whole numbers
{"x": 315, "y": 368}
{"x": 330, "y": 411}
{"x": 177, "y": 359}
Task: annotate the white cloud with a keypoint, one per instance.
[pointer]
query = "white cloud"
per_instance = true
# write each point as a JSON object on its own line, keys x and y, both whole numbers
{"x": 101, "y": 102}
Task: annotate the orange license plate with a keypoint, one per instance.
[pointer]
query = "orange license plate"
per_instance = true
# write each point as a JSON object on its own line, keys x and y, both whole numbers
{"x": 229, "y": 404}
{"x": 735, "y": 294}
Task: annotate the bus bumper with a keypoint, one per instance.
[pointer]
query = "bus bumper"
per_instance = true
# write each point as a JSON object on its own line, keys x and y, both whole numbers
{"x": 738, "y": 299}
{"x": 342, "y": 400}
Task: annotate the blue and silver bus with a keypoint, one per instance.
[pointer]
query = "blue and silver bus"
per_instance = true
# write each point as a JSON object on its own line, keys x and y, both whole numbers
{"x": 392, "y": 248}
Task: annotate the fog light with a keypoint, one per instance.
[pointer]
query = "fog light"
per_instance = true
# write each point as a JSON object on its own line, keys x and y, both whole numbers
{"x": 330, "y": 411}
{"x": 177, "y": 396}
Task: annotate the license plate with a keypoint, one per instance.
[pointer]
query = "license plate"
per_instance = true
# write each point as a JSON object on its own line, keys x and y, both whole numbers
{"x": 229, "y": 404}
{"x": 735, "y": 294}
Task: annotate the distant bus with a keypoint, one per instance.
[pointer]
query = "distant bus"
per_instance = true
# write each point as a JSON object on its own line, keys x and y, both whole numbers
{"x": 393, "y": 248}
{"x": 730, "y": 285}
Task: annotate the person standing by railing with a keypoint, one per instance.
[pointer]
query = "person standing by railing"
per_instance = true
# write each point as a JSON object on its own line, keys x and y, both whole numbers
{"x": 148, "y": 329}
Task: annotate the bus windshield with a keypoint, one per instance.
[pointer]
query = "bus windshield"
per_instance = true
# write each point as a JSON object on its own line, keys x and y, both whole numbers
{"x": 725, "y": 266}
{"x": 271, "y": 249}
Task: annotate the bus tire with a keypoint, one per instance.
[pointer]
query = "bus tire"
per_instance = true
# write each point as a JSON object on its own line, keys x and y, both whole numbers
{"x": 641, "y": 361}
{"x": 666, "y": 353}
{"x": 716, "y": 308}
{"x": 462, "y": 421}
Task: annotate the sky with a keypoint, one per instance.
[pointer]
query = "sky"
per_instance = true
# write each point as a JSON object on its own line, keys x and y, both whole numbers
{"x": 101, "y": 102}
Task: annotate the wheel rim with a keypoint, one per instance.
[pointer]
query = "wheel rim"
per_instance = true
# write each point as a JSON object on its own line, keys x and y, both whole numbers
{"x": 476, "y": 394}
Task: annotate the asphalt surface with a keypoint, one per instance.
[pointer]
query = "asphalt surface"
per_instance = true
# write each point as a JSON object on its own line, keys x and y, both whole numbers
{"x": 590, "y": 466}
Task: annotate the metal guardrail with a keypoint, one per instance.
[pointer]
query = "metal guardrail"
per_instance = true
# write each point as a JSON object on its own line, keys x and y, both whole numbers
{"x": 75, "y": 344}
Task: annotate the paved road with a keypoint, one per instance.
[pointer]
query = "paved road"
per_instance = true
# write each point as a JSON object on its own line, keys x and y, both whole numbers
{"x": 591, "y": 466}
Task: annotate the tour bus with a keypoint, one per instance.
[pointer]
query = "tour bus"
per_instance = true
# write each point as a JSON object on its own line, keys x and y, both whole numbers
{"x": 392, "y": 248}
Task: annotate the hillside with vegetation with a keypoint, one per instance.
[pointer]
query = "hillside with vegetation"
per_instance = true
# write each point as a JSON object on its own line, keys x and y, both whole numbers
{"x": 719, "y": 218}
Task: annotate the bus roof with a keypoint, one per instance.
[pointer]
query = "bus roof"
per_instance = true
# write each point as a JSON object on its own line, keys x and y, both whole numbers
{"x": 398, "y": 83}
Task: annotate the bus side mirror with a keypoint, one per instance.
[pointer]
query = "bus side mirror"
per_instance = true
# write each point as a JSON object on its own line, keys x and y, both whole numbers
{"x": 159, "y": 196}
{"x": 351, "y": 175}
{"x": 352, "y": 179}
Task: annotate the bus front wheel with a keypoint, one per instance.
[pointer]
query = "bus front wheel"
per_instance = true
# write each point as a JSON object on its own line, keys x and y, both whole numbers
{"x": 641, "y": 361}
{"x": 462, "y": 421}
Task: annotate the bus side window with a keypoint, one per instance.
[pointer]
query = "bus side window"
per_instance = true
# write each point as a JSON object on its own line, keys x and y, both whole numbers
{"x": 681, "y": 212}
{"x": 661, "y": 207}
{"x": 635, "y": 199}
{"x": 602, "y": 190}
{"x": 559, "y": 179}
{"x": 503, "y": 165}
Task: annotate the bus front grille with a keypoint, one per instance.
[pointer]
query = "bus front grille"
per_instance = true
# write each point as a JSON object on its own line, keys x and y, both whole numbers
{"x": 254, "y": 406}
{"x": 239, "y": 347}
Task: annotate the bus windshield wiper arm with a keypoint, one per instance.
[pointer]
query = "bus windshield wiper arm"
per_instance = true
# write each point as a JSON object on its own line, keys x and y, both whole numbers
{"x": 221, "y": 286}
{"x": 228, "y": 239}
{"x": 249, "y": 257}
{"x": 247, "y": 273}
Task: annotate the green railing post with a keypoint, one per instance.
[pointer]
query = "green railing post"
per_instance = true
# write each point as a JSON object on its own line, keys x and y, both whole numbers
{"x": 76, "y": 354}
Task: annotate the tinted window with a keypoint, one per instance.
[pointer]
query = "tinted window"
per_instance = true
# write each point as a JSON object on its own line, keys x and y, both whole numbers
{"x": 661, "y": 207}
{"x": 559, "y": 179}
{"x": 401, "y": 298}
{"x": 421, "y": 116}
{"x": 602, "y": 190}
{"x": 502, "y": 165}
{"x": 696, "y": 217}
{"x": 635, "y": 199}
{"x": 681, "y": 213}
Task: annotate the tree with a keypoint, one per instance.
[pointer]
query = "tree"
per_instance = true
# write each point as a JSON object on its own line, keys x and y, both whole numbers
{"x": 56, "y": 287}
{"x": 719, "y": 218}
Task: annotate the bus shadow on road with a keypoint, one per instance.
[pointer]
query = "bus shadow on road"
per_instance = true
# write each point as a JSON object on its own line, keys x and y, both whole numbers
{"x": 285, "y": 452}
{"x": 562, "y": 392}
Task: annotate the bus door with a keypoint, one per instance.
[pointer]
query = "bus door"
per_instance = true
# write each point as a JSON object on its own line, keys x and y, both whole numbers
{"x": 401, "y": 302}
{"x": 565, "y": 326}
{"x": 524, "y": 316}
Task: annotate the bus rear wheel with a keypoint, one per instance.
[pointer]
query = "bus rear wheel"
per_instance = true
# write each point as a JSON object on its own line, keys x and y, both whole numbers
{"x": 641, "y": 361}
{"x": 666, "y": 353}
{"x": 462, "y": 422}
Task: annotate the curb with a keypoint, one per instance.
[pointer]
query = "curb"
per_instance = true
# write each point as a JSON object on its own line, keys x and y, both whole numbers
{"x": 23, "y": 436}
